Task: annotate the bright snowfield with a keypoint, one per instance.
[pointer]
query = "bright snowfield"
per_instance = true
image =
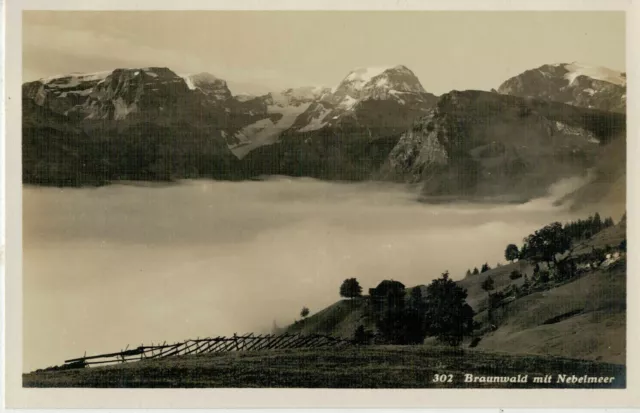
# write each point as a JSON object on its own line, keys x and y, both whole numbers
{"x": 265, "y": 131}
{"x": 595, "y": 72}
{"x": 132, "y": 264}
{"x": 289, "y": 103}
{"x": 74, "y": 79}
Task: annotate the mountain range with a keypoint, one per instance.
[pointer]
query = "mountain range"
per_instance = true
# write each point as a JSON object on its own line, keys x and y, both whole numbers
{"x": 377, "y": 123}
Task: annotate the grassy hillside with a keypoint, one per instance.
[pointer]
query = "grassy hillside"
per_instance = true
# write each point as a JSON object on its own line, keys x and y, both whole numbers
{"x": 349, "y": 367}
{"x": 340, "y": 319}
{"x": 582, "y": 319}
{"x": 564, "y": 320}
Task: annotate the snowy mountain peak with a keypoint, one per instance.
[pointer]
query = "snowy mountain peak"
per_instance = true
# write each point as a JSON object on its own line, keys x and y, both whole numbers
{"x": 378, "y": 83}
{"x": 358, "y": 78}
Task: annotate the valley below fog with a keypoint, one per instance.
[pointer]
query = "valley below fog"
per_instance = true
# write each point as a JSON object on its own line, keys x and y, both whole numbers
{"x": 141, "y": 263}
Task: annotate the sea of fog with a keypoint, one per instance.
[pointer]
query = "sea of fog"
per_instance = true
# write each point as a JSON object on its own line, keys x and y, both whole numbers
{"x": 141, "y": 263}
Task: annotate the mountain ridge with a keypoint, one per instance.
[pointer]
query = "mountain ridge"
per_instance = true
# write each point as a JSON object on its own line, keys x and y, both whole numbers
{"x": 572, "y": 83}
{"x": 377, "y": 123}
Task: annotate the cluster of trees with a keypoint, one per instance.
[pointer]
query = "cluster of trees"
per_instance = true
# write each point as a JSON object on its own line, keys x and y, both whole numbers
{"x": 546, "y": 243}
{"x": 484, "y": 268}
{"x": 585, "y": 228}
{"x": 402, "y": 318}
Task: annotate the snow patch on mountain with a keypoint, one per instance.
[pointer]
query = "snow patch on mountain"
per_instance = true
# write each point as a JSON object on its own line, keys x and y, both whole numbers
{"x": 363, "y": 75}
{"x": 595, "y": 72}
{"x": 74, "y": 79}
{"x": 266, "y": 131}
{"x": 348, "y": 103}
{"x": 244, "y": 97}
{"x": 317, "y": 121}
{"x": 189, "y": 81}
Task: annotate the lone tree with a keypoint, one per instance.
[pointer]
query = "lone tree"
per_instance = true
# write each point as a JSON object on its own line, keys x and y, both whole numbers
{"x": 475, "y": 271}
{"x": 350, "y": 288}
{"x": 489, "y": 285}
{"x": 545, "y": 243}
{"x": 304, "y": 312}
{"x": 447, "y": 314}
{"x": 485, "y": 267}
{"x": 362, "y": 336}
{"x": 511, "y": 253}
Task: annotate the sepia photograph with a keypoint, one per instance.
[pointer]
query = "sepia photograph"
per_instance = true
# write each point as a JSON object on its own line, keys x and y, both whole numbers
{"x": 326, "y": 199}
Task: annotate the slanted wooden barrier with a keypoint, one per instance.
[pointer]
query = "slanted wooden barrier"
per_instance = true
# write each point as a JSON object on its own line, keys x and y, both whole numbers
{"x": 209, "y": 345}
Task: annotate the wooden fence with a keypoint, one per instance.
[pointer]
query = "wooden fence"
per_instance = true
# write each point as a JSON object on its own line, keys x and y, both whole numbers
{"x": 210, "y": 345}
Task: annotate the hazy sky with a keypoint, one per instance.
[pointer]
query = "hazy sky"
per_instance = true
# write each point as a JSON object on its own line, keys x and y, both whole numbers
{"x": 264, "y": 50}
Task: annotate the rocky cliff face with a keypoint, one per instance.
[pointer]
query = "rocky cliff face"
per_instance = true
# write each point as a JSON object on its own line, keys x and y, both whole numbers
{"x": 572, "y": 83}
{"x": 480, "y": 143}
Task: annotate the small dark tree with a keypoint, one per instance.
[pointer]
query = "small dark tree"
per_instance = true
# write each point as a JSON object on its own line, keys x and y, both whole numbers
{"x": 350, "y": 288}
{"x": 511, "y": 253}
{"x": 515, "y": 274}
{"x": 362, "y": 336}
{"x": 544, "y": 276}
{"x": 524, "y": 252}
{"x": 448, "y": 316}
{"x": 475, "y": 271}
{"x": 566, "y": 270}
{"x": 485, "y": 267}
{"x": 623, "y": 245}
{"x": 468, "y": 273}
{"x": 304, "y": 312}
{"x": 488, "y": 285}
{"x": 597, "y": 223}
{"x": 275, "y": 329}
{"x": 598, "y": 255}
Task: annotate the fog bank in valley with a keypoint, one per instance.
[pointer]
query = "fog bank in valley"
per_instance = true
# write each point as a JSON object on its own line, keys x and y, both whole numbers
{"x": 126, "y": 264}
